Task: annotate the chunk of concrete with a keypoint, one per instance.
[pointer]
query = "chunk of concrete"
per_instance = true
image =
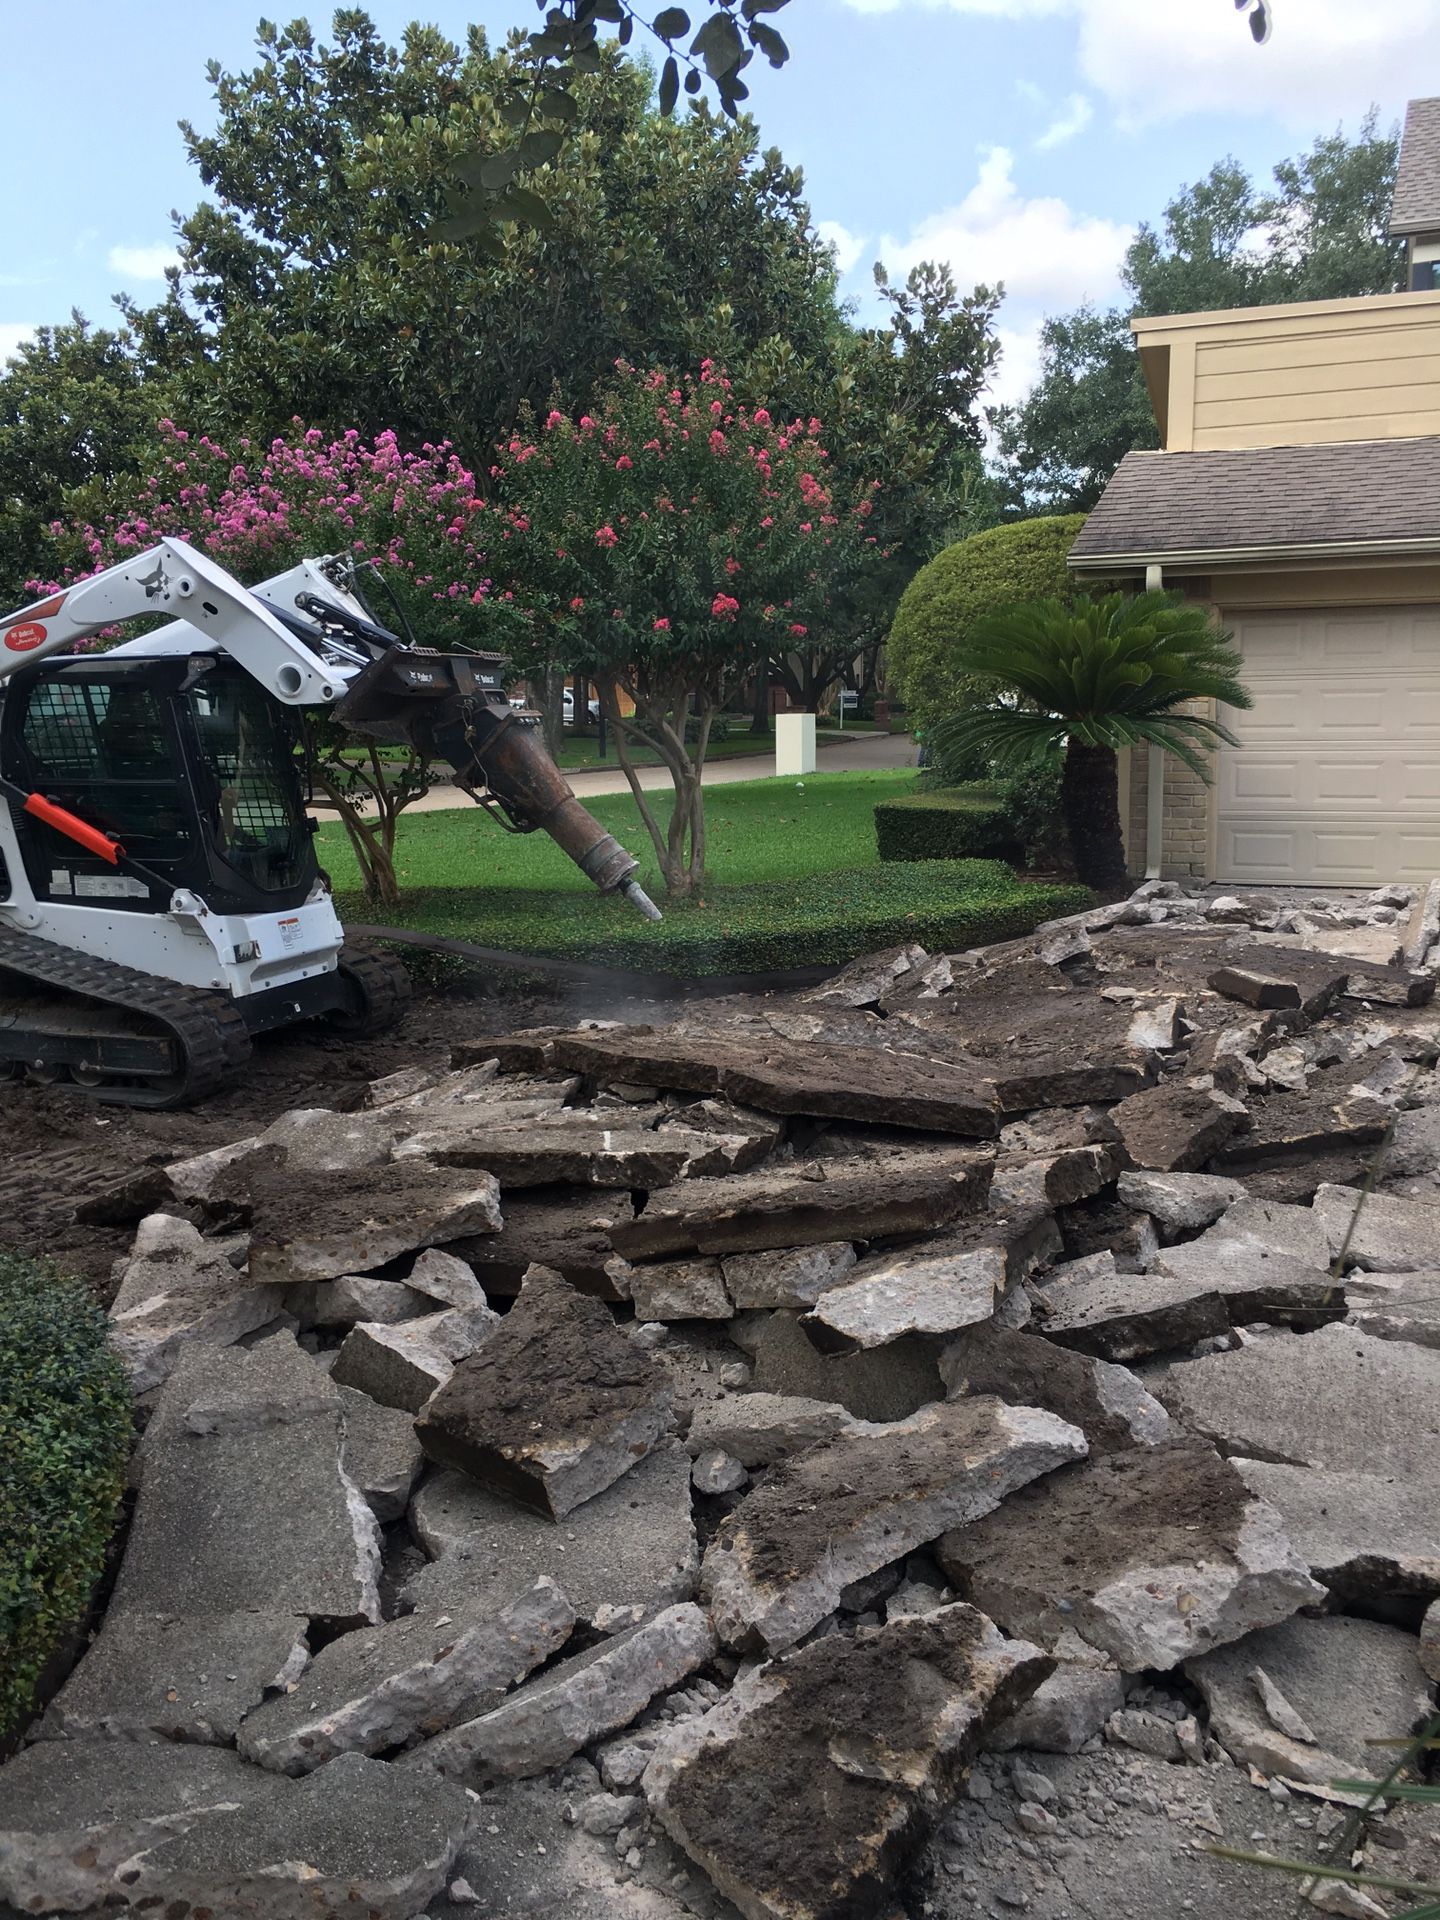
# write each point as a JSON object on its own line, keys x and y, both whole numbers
{"x": 404, "y": 1366}
{"x": 757, "y": 1429}
{"x": 355, "y": 1222}
{"x": 1174, "y": 1128}
{"x": 1064, "y": 1712}
{"x": 917, "y": 1290}
{"x": 1379, "y": 1233}
{"x": 1307, "y": 1700}
{"x": 1336, "y": 1398}
{"x": 317, "y": 1140}
{"x": 542, "y": 1154}
{"x": 1056, "y": 1179}
{"x": 352, "y": 1298}
{"x": 256, "y": 1515}
{"x": 1295, "y": 1232}
{"x": 1105, "y": 1226}
{"x": 380, "y": 1453}
{"x": 1179, "y": 1202}
{"x": 195, "y": 1178}
{"x": 193, "y": 1679}
{"x": 554, "y": 1407}
{"x": 874, "y": 1383}
{"x": 441, "y": 1276}
{"x": 177, "y": 1288}
{"x": 1367, "y": 1537}
{"x": 827, "y": 1517}
{"x": 1149, "y": 1555}
{"x": 1280, "y": 977}
{"x": 1106, "y": 1402}
{"x": 860, "y": 1783}
{"x": 680, "y": 1290}
{"x": 1429, "y": 1650}
{"x": 620, "y": 1558}
{"x": 1329, "y": 1113}
{"x": 792, "y": 1277}
{"x": 583, "y": 1699}
{"x": 809, "y": 1203}
{"x": 388, "y": 1687}
{"x": 569, "y": 1234}
{"x": 1396, "y": 1306}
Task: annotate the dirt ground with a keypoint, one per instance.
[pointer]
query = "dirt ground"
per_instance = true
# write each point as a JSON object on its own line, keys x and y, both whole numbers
{"x": 64, "y": 1149}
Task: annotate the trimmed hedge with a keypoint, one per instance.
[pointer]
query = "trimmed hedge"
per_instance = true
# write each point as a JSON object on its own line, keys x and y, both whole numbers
{"x": 65, "y": 1426}
{"x": 947, "y": 823}
{"x": 823, "y": 919}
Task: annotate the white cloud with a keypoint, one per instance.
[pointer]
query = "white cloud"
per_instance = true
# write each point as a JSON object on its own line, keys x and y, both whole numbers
{"x": 1157, "y": 60}
{"x": 1045, "y": 252}
{"x": 143, "y": 263}
{"x": 1019, "y": 366}
{"x": 12, "y": 332}
{"x": 848, "y": 246}
{"x": 1074, "y": 118}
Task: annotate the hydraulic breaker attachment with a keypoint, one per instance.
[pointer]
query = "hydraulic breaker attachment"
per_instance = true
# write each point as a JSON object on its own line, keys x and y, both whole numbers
{"x": 453, "y": 707}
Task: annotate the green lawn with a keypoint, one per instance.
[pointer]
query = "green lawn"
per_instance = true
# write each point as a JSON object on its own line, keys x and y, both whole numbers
{"x": 795, "y": 880}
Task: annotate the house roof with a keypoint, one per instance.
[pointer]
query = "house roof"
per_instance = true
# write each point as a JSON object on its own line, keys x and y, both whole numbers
{"x": 1377, "y": 496}
{"x": 1416, "y": 206}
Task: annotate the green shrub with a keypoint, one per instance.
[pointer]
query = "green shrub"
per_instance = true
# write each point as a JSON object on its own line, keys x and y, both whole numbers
{"x": 823, "y": 919}
{"x": 946, "y": 823}
{"x": 1023, "y": 560}
{"x": 65, "y": 1424}
{"x": 1030, "y": 800}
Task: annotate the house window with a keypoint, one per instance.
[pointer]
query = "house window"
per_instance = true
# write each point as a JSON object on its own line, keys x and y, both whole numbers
{"x": 1425, "y": 266}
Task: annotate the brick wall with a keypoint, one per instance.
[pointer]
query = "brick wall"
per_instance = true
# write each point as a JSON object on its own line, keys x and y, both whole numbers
{"x": 1185, "y": 853}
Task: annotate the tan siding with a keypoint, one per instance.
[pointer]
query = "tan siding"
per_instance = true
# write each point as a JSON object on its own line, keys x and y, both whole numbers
{"x": 1309, "y": 433}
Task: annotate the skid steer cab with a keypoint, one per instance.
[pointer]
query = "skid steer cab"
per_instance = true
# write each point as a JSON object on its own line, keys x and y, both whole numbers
{"x": 160, "y": 897}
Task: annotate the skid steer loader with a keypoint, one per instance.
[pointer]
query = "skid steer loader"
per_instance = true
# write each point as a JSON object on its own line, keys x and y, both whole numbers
{"x": 160, "y": 897}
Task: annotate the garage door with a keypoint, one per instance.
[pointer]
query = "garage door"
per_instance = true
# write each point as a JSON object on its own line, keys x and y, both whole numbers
{"x": 1337, "y": 777}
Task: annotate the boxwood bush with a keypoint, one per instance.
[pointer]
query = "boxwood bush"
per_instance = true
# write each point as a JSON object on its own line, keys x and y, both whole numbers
{"x": 65, "y": 1426}
{"x": 947, "y": 823}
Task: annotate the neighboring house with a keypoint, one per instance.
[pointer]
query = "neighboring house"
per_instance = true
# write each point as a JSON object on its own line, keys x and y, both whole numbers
{"x": 1299, "y": 493}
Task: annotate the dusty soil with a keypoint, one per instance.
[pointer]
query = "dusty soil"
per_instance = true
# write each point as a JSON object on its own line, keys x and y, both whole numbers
{"x": 65, "y": 1149}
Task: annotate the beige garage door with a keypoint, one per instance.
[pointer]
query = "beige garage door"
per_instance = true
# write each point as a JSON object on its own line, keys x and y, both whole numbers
{"x": 1337, "y": 777}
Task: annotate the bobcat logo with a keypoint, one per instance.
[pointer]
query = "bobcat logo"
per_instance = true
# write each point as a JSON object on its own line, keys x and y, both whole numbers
{"x": 156, "y": 583}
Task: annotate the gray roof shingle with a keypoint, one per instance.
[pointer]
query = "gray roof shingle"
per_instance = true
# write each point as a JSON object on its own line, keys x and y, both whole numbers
{"x": 1378, "y": 491}
{"x": 1416, "y": 206}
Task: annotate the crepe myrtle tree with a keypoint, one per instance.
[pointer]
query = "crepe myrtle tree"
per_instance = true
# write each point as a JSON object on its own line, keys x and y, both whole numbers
{"x": 1088, "y": 678}
{"x": 661, "y": 543}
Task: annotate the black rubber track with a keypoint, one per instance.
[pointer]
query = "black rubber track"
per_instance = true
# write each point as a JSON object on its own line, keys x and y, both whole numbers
{"x": 207, "y": 1028}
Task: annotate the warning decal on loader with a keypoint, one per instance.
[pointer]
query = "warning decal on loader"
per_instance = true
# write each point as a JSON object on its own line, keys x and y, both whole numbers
{"x": 28, "y": 634}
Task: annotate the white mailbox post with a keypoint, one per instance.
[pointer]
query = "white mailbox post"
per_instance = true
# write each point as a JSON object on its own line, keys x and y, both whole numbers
{"x": 794, "y": 744}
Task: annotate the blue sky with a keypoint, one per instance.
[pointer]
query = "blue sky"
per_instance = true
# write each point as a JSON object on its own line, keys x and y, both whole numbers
{"x": 1020, "y": 139}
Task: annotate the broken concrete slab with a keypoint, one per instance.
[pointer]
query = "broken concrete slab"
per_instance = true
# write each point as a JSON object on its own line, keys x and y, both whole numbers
{"x": 679, "y": 1290}
{"x": 860, "y": 1742}
{"x": 403, "y": 1366}
{"x": 1396, "y": 1306}
{"x": 441, "y": 1276}
{"x": 570, "y": 1234}
{"x": 317, "y": 1140}
{"x": 379, "y": 1453}
{"x": 1380, "y": 1233}
{"x": 162, "y": 1677}
{"x": 757, "y": 1429}
{"x": 620, "y": 1558}
{"x": 1308, "y": 1699}
{"x": 866, "y": 981}
{"x": 1330, "y": 1113}
{"x": 1194, "y": 1292}
{"x": 176, "y": 1288}
{"x": 1293, "y": 1231}
{"x": 555, "y": 1405}
{"x": 809, "y": 1203}
{"x": 1105, "y": 1226}
{"x": 357, "y": 1221}
{"x": 1281, "y": 978}
{"x": 1055, "y": 1179}
{"x": 786, "y": 1276}
{"x": 353, "y": 1837}
{"x": 875, "y": 1383}
{"x": 582, "y": 1699}
{"x": 1335, "y": 1398}
{"x": 352, "y": 1298}
{"x": 541, "y": 1155}
{"x": 827, "y": 1517}
{"x": 721, "y": 1137}
{"x": 1106, "y": 1402}
{"x": 1429, "y": 1650}
{"x": 1174, "y": 1128}
{"x": 391, "y": 1686}
{"x": 257, "y": 1517}
{"x": 924, "y": 1289}
{"x": 1150, "y": 1555}
{"x": 1367, "y": 1537}
{"x": 1179, "y": 1202}
{"x": 272, "y": 1383}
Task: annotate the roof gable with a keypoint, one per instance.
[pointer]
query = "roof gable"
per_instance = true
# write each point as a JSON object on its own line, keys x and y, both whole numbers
{"x": 1416, "y": 206}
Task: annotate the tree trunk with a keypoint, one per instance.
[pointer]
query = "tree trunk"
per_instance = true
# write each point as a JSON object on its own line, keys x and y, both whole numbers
{"x": 760, "y": 710}
{"x": 1090, "y": 801}
{"x": 552, "y": 710}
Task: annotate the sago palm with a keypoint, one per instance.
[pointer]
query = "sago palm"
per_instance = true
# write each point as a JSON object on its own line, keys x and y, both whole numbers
{"x": 1091, "y": 678}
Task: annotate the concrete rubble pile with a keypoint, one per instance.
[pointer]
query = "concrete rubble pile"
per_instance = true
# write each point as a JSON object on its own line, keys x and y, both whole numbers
{"x": 780, "y": 1460}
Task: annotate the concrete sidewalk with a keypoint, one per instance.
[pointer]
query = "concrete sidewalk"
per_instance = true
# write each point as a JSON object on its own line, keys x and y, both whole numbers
{"x": 865, "y": 753}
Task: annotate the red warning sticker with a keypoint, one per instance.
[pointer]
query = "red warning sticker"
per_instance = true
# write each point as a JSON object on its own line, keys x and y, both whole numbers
{"x": 28, "y": 634}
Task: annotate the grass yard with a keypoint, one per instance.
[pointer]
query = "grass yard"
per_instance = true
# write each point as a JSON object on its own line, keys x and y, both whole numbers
{"x": 795, "y": 880}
